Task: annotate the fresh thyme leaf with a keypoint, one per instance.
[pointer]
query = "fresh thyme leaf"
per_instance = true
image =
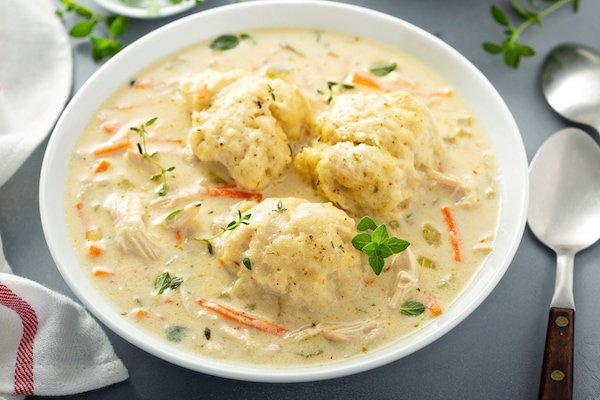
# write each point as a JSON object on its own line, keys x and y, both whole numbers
{"x": 165, "y": 281}
{"x": 247, "y": 263}
{"x": 272, "y": 93}
{"x": 225, "y": 42}
{"x": 83, "y": 28}
{"x": 280, "y": 208}
{"x": 241, "y": 220}
{"x": 173, "y": 214}
{"x": 382, "y": 68}
{"x": 412, "y": 308}
{"x": 377, "y": 245}
{"x": 104, "y": 48}
{"x": 161, "y": 175}
{"x": 510, "y": 48}
{"x": 117, "y": 25}
{"x": 175, "y": 333}
{"x": 207, "y": 333}
{"x": 245, "y": 36}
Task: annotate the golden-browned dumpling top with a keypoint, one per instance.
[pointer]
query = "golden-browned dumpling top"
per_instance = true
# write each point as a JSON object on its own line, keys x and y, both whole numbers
{"x": 360, "y": 178}
{"x": 245, "y": 122}
{"x": 395, "y": 122}
{"x": 298, "y": 252}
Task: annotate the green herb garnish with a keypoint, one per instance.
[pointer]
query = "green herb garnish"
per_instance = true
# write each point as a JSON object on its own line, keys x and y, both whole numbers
{"x": 332, "y": 87}
{"x": 510, "y": 48}
{"x": 173, "y": 214}
{"x": 382, "y": 68}
{"x": 102, "y": 46}
{"x": 175, "y": 333}
{"x": 165, "y": 281}
{"x": 225, "y": 42}
{"x": 207, "y": 333}
{"x": 241, "y": 220}
{"x": 378, "y": 245}
{"x": 247, "y": 263}
{"x": 162, "y": 175}
{"x": 272, "y": 93}
{"x": 280, "y": 208}
{"x": 412, "y": 308}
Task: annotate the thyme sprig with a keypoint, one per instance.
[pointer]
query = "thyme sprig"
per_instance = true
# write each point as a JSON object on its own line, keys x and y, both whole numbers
{"x": 143, "y": 150}
{"x": 103, "y": 46}
{"x": 241, "y": 220}
{"x": 511, "y": 49}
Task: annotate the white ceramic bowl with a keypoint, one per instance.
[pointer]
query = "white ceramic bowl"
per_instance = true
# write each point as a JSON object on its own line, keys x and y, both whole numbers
{"x": 469, "y": 82}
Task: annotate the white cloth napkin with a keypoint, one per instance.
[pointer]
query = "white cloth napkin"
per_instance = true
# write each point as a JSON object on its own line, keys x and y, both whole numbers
{"x": 49, "y": 345}
{"x": 35, "y": 78}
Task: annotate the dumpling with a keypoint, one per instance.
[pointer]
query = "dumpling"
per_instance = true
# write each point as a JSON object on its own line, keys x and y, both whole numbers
{"x": 297, "y": 251}
{"x": 395, "y": 122}
{"x": 246, "y": 124}
{"x": 360, "y": 178}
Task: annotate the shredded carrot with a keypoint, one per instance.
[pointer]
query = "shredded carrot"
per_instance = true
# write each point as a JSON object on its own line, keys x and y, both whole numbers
{"x": 221, "y": 260}
{"x": 178, "y": 235}
{"x": 102, "y": 166}
{"x": 142, "y": 83}
{"x": 454, "y": 236}
{"x": 102, "y": 271}
{"x": 242, "y": 318}
{"x": 139, "y": 312}
{"x": 230, "y": 192}
{"x": 112, "y": 148}
{"x": 169, "y": 300}
{"x": 94, "y": 251}
{"x": 202, "y": 92}
{"x": 365, "y": 80}
{"x": 79, "y": 210}
{"x": 434, "y": 308}
{"x": 167, "y": 140}
{"x": 109, "y": 127}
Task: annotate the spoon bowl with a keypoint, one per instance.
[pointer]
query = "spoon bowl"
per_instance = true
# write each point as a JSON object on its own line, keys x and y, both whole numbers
{"x": 564, "y": 214}
{"x": 571, "y": 83}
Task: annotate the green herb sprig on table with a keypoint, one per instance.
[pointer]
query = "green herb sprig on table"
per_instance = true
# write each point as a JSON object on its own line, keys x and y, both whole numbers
{"x": 104, "y": 46}
{"x": 511, "y": 49}
{"x": 378, "y": 245}
{"x": 142, "y": 148}
{"x": 241, "y": 220}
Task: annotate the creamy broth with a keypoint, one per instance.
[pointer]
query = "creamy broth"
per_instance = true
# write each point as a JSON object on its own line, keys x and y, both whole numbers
{"x": 125, "y": 234}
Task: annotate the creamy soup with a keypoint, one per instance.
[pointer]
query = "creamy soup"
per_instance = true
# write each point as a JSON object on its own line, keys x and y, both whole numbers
{"x": 215, "y": 198}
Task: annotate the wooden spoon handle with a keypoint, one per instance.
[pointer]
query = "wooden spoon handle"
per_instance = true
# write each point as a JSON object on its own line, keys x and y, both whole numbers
{"x": 557, "y": 370}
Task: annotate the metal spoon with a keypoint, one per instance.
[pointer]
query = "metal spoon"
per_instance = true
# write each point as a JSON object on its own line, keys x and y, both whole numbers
{"x": 564, "y": 214}
{"x": 571, "y": 83}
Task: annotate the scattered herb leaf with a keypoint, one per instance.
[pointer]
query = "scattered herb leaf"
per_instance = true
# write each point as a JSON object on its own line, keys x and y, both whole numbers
{"x": 207, "y": 333}
{"x": 377, "y": 245}
{"x": 510, "y": 48}
{"x": 272, "y": 93}
{"x": 280, "y": 208}
{"x": 247, "y": 263}
{"x": 162, "y": 174}
{"x": 173, "y": 214}
{"x": 225, "y": 42}
{"x": 412, "y": 308}
{"x": 165, "y": 281}
{"x": 175, "y": 333}
{"x": 382, "y": 68}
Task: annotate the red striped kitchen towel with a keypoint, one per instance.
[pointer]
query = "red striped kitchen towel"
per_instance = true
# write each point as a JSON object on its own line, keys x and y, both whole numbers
{"x": 49, "y": 345}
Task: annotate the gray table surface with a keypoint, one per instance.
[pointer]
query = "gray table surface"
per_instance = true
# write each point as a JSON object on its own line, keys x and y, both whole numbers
{"x": 495, "y": 353}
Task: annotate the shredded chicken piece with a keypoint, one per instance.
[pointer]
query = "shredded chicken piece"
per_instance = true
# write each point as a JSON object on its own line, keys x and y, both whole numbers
{"x": 485, "y": 244}
{"x": 131, "y": 235}
{"x": 367, "y": 329}
{"x": 407, "y": 277}
{"x": 173, "y": 200}
{"x": 465, "y": 191}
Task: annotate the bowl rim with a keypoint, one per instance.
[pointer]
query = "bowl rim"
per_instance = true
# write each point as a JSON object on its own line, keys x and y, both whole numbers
{"x": 513, "y": 182}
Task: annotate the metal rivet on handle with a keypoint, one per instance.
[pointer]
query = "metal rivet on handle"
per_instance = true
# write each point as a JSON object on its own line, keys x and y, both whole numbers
{"x": 561, "y": 321}
{"x": 557, "y": 375}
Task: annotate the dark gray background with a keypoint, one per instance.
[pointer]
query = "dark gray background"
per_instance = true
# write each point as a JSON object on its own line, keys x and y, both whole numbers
{"x": 495, "y": 353}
